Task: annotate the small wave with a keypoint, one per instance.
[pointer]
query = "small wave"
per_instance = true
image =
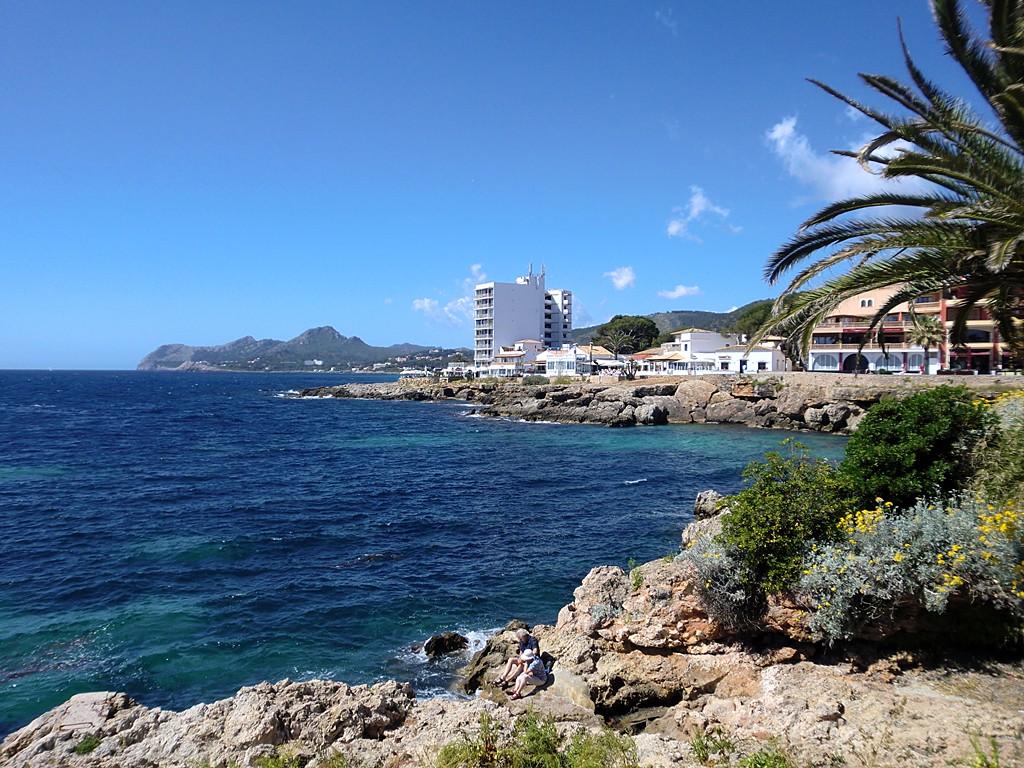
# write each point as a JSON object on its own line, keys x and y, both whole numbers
{"x": 634, "y": 482}
{"x": 370, "y": 557}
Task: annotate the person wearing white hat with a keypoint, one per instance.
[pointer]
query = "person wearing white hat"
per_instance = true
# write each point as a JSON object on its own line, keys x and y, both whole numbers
{"x": 515, "y": 664}
{"x": 533, "y": 673}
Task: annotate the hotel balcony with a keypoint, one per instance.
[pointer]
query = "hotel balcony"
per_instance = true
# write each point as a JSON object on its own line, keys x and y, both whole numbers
{"x": 900, "y": 346}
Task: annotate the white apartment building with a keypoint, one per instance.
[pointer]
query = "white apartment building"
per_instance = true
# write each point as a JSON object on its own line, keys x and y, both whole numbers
{"x": 696, "y": 351}
{"x": 505, "y": 313}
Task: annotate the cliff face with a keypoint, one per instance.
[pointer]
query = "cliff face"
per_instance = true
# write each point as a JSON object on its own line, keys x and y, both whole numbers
{"x": 820, "y": 402}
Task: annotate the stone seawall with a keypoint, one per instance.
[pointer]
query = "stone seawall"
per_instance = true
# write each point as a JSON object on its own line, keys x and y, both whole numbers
{"x": 812, "y": 401}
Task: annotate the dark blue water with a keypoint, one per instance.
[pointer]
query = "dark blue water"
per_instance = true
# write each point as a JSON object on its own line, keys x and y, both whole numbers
{"x": 178, "y": 536}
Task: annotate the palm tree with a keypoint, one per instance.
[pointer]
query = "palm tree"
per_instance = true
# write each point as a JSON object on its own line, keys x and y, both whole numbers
{"x": 963, "y": 225}
{"x": 926, "y": 331}
{"x": 618, "y": 340}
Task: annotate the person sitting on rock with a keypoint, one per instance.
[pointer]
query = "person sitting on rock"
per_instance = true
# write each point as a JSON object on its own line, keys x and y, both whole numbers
{"x": 515, "y": 665}
{"x": 533, "y": 673}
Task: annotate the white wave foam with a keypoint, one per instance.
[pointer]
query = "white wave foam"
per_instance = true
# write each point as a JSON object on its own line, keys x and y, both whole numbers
{"x": 634, "y": 482}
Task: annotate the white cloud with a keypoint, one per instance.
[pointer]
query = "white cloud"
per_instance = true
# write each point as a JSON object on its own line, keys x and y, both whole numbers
{"x": 695, "y": 211}
{"x": 622, "y": 278}
{"x": 458, "y": 311}
{"x": 830, "y": 177}
{"x": 476, "y": 276}
{"x": 429, "y": 307}
{"x": 680, "y": 291}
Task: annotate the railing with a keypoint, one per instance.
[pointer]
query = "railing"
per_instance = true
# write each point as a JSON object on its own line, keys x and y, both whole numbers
{"x": 858, "y": 323}
{"x": 816, "y": 347}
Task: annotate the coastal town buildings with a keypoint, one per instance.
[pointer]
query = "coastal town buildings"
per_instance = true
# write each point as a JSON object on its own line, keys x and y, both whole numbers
{"x": 518, "y": 359}
{"x": 577, "y": 360}
{"x": 842, "y": 343}
{"x": 507, "y": 313}
{"x": 694, "y": 351}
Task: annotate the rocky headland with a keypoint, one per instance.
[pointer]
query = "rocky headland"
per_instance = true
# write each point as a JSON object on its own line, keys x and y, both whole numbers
{"x": 632, "y": 650}
{"x": 812, "y": 401}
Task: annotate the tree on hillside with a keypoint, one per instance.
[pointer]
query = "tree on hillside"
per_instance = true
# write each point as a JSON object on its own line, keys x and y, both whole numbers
{"x": 960, "y": 221}
{"x": 748, "y": 322}
{"x": 627, "y": 333}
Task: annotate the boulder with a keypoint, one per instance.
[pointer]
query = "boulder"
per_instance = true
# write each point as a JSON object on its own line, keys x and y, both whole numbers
{"x": 445, "y": 643}
{"x": 707, "y": 504}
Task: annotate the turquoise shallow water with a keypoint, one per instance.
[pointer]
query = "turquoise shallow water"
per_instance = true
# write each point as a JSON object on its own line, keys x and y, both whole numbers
{"x": 179, "y": 536}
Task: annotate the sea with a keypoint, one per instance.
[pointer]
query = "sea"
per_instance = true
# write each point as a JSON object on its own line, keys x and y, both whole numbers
{"x": 179, "y": 536}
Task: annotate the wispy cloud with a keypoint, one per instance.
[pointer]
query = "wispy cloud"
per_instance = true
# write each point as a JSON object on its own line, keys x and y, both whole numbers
{"x": 665, "y": 16}
{"x": 456, "y": 312}
{"x": 830, "y": 177}
{"x": 697, "y": 210}
{"x": 429, "y": 307}
{"x": 680, "y": 291}
{"x": 622, "y": 278}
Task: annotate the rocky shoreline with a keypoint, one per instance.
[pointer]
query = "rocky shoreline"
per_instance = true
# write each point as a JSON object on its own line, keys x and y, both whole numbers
{"x": 796, "y": 401}
{"x": 632, "y": 650}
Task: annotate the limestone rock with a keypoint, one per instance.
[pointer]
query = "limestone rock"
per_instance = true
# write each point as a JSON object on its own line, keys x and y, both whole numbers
{"x": 706, "y": 504}
{"x": 310, "y": 717}
{"x": 597, "y": 601}
{"x": 445, "y": 643}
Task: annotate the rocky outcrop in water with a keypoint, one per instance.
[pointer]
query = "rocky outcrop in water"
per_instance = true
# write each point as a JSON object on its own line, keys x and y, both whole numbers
{"x": 820, "y": 402}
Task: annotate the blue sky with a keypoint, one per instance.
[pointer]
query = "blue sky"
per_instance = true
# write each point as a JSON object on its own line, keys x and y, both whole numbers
{"x": 194, "y": 172}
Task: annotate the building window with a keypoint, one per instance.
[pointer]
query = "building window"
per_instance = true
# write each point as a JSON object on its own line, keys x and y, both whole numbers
{"x": 762, "y": 365}
{"x": 724, "y": 365}
{"x": 825, "y": 363}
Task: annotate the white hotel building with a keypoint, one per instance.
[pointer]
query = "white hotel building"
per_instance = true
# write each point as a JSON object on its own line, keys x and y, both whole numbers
{"x": 509, "y": 312}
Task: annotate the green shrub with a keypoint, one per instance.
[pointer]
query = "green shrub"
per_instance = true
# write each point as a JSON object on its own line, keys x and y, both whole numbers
{"x": 789, "y": 502}
{"x": 926, "y": 554}
{"x": 708, "y": 744}
{"x": 280, "y": 759}
{"x": 636, "y": 577}
{"x": 923, "y": 446}
{"x": 534, "y": 743}
{"x": 1001, "y": 474}
{"x": 767, "y": 758}
{"x": 535, "y": 379}
{"x": 87, "y": 744}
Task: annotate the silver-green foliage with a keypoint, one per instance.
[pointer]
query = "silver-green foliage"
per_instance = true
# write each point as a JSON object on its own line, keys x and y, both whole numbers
{"x": 927, "y": 554}
{"x": 722, "y": 589}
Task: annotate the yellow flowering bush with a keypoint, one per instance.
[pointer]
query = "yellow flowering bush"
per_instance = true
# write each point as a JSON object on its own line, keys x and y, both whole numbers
{"x": 928, "y": 553}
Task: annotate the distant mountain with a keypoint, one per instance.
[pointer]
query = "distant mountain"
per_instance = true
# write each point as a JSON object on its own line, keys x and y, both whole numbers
{"x": 677, "y": 320}
{"x": 319, "y": 348}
